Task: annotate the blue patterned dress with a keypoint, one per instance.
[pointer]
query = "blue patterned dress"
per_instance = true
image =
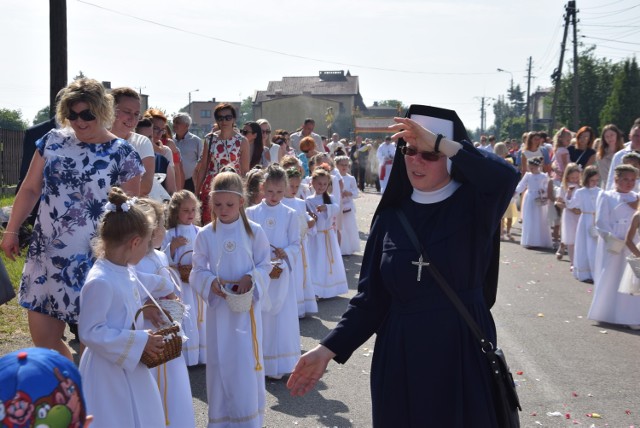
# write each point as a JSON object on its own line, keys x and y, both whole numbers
{"x": 76, "y": 181}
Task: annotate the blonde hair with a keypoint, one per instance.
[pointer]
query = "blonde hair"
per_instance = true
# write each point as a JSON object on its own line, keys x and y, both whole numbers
{"x": 176, "y": 202}
{"x": 320, "y": 172}
{"x": 120, "y": 224}
{"x": 254, "y": 178}
{"x": 621, "y": 169}
{"x": 91, "y": 92}
{"x": 589, "y": 172}
{"x": 154, "y": 211}
{"x": 228, "y": 181}
{"x": 500, "y": 149}
{"x": 275, "y": 174}
{"x": 569, "y": 169}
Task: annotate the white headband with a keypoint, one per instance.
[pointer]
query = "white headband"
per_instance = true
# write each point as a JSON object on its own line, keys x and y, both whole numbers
{"x": 228, "y": 191}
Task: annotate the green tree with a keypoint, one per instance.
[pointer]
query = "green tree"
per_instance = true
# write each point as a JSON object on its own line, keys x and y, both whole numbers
{"x": 595, "y": 81}
{"x": 42, "y": 116}
{"x": 397, "y": 104}
{"x": 12, "y": 120}
{"x": 80, "y": 75}
{"x": 502, "y": 115}
{"x": 623, "y": 105}
{"x": 516, "y": 97}
{"x": 246, "y": 109}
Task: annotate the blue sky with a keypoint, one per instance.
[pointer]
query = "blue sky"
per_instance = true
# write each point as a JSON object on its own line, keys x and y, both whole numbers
{"x": 443, "y": 53}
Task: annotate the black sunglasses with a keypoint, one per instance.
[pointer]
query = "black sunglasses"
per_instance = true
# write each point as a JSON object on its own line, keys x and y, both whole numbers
{"x": 227, "y": 118}
{"x": 85, "y": 115}
{"x": 244, "y": 132}
{"x": 412, "y": 151}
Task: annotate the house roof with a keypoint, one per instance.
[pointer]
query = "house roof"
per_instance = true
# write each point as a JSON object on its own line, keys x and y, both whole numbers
{"x": 326, "y": 83}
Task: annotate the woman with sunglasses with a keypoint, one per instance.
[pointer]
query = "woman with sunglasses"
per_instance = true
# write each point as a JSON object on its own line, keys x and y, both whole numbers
{"x": 429, "y": 369}
{"x": 225, "y": 147}
{"x": 253, "y": 133}
{"x": 71, "y": 173}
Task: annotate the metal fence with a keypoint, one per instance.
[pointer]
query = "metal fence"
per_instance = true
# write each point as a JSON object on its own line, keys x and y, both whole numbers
{"x": 10, "y": 157}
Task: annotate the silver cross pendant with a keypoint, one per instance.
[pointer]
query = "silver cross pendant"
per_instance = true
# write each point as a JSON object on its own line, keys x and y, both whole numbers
{"x": 420, "y": 263}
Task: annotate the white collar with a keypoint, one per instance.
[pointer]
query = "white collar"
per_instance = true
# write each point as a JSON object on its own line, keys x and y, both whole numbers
{"x": 435, "y": 196}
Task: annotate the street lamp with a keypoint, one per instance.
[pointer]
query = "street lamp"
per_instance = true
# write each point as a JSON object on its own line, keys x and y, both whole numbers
{"x": 195, "y": 90}
{"x": 502, "y": 70}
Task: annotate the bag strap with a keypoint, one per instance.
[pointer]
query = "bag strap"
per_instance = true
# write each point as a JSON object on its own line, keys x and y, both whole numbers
{"x": 455, "y": 300}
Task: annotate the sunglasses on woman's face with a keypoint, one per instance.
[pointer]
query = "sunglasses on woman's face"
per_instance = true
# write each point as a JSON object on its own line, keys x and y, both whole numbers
{"x": 412, "y": 151}
{"x": 85, "y": 115}
{"x": 227, "y": 118}
{"x": 246, "y": 131}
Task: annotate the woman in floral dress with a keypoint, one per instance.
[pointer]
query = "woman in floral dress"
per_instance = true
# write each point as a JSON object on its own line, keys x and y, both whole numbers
{"x": 71, "y": 174}
{"x": 226, "y": 147}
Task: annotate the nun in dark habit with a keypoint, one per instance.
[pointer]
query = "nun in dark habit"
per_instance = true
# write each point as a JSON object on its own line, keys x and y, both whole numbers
{"x": 427, "y": 370}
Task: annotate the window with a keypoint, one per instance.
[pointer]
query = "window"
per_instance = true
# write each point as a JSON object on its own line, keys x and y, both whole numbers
{"x": 205, "y": 114}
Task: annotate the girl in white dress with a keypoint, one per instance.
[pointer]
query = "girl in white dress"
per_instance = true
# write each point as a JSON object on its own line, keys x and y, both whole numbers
{"x": 305, "y": 296}
{"x": 613, "y": 218}
{"x": 328, "y": 276}
{"x": 232, "y": 252}
{"x": 172, "y": 378}
{"x": 350, "y": 242}
{"x": 535, "y": 228}
{"x": 183, "y": 218}
{"x": 335, "y": 190}
{"x": 570, "y": 183}
{"x": 584, "y": 200}
{"x": 280, "y": 327}
{"x": 119, "y": 389}
{"x": 630, "y": 283}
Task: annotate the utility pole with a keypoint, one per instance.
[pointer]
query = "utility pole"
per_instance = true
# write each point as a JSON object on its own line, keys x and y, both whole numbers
{"x": 482, "y": 116}
{"x": 527, "y": 120}
{"x": 570, "y": 10}
{"x": 57, "y": 50}
{"x": 576, "y": 105}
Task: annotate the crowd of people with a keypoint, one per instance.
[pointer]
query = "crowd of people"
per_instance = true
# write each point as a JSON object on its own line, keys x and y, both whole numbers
{"x": 578, "y": 195}
{"x": 235, "y": 237}
{"x": 134, "y": 213}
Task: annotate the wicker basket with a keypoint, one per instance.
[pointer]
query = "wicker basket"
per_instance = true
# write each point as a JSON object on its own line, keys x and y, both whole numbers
{"x": 276, "y": 270}
{"x": 615, "y": 245}
{"x": 172, "y": 342}
{"x": 634, "y": 264}
{"x": 237, "y": 302}
{"x": 175, "y": 308}
{"x": 184, "y": 270}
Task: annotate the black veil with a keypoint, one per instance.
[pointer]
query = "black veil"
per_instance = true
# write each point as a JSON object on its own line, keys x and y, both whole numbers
{"x": 399, "y": 188}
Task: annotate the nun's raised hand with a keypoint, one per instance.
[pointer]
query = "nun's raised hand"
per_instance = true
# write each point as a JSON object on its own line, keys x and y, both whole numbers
{"x": 413, "y": 133}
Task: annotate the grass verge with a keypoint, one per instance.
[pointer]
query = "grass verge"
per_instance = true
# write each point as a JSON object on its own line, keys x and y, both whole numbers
{"x": 13, "y": 317}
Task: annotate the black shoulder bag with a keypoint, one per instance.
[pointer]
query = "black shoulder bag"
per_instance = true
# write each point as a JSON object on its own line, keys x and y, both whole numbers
{"x": 505, "y": 397}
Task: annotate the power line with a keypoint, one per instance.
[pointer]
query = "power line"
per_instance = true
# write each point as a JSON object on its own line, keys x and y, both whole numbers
{"x": 306, "y": 58}
{"x": 617, "y": 12}
{"x": 603, "y": 5}
{"x": 610, "y": 40}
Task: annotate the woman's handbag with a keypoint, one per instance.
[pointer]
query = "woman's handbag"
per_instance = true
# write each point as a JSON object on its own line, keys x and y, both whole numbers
{"x": 505, "y": 397}
{"x": 6, "y": 289}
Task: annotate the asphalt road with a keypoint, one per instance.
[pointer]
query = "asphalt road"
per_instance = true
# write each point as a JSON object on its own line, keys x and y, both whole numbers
{"x": 563, "y": 363}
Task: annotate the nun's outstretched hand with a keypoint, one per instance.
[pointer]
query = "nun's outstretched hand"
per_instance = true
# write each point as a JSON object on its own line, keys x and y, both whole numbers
{"x": 309, "y": 370}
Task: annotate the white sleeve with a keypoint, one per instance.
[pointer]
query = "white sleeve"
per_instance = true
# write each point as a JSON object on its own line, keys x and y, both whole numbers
{"x": 121, "y": 346}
